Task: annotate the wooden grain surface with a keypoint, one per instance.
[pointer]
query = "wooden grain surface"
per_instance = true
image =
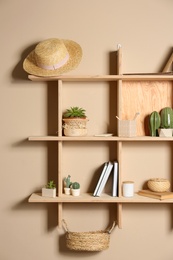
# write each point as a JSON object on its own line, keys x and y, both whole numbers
{"x": 145, "y": 97}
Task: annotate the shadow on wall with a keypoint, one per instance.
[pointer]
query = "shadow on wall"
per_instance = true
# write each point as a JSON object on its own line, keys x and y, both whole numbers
{"x": 113, "y": 93}
{"x": 167, "y": 57}
{"x": 50, "y": 209}
{"x": 18, "y": 72}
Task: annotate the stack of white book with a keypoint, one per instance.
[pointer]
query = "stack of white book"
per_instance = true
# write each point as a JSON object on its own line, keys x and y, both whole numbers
{"x": 108, "y": 168}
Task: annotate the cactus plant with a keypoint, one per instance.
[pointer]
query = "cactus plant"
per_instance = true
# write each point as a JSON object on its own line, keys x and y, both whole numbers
{"x": 75, "y": 185}
{"x": 67, "y": 182}
{"x": 167, "y": 117}
{"x": 155, "y": 122}
{"x": 75, "y": 189}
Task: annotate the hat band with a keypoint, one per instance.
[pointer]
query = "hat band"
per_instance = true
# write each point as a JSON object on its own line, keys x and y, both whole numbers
{"x": 54, "y": 66}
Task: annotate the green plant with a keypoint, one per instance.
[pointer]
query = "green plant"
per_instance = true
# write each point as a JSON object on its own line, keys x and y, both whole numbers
{"x": 75, "y": 185}
{"x": 154, "y": 123}
{"x": 167, "y": 118}
{"x": 67, "y": 182}
{"x": 75, "y": 112}
{"x": 51, "y": 185}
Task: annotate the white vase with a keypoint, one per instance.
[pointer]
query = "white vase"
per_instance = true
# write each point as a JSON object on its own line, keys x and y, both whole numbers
{"x": 67, "y": 191}
{"x": 75, "y": 192}
{"x": 49, "y": 192}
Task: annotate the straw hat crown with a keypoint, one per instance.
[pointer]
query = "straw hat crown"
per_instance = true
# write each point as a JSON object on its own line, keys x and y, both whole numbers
{"x": 53, "y": 57}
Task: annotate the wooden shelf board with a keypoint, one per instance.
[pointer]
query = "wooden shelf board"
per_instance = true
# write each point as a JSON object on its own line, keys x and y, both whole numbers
{"x": 88, "y": 198}
{"x": 94, "y": 138}
{"x": 90, "y": 78}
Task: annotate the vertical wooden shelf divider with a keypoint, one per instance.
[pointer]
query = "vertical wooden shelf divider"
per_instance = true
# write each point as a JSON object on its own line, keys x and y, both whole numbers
{"x": 119, "y": 143}
{"x": 59, "y": 178}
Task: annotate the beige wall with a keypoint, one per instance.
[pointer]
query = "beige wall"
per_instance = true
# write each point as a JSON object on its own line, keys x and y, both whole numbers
{"x": 29, "y": 231}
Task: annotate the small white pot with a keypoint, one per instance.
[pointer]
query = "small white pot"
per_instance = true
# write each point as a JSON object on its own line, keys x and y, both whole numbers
{"x": 49, "y": 192}
{"x": 75, "y": 192}
{"x": 67, "y": 191}
{"x": 165, "y": 132}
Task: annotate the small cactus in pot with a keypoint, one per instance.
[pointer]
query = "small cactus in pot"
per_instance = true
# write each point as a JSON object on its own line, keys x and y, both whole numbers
{"x": 162, "y": 123}
{"x": 166, "y": 129}
{"x": 67, "y": 185}
{"x": 67, "y": 182}
{"x": 75, "y": 189}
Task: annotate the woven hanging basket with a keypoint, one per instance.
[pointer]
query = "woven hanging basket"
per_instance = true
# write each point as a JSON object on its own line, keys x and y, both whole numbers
{"x": 88, "y": 241}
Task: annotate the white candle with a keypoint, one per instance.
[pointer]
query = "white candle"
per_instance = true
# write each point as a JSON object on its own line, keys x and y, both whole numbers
{"x": 128, "y": 189}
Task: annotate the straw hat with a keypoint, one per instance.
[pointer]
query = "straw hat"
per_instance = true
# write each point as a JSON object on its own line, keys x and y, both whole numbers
{"x": 53, "y": 57}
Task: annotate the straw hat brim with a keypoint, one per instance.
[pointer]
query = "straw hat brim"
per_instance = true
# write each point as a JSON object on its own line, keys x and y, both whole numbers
{"x": 75, "y": 56}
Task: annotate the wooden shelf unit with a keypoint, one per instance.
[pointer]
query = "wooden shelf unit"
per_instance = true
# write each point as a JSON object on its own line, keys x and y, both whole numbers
{"x": 105, "y": 198}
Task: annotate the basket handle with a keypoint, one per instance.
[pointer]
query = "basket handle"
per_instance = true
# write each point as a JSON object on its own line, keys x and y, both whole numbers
{"x": 111, "y": 228}
{"x": 108, "y": 230}
{"x": 65, "y": 225}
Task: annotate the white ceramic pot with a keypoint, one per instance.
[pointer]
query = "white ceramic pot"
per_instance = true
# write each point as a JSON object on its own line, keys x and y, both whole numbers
{"x": 67, "y": 191}
{"x": 165, "y": 132}
{"x": 75, "y": 192}
{"x": 49, "y": 192}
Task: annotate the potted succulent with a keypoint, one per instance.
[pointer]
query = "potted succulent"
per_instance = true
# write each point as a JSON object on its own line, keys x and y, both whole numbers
{"x": 75, "y": 189}
{"x": 162, "y": 124}
{"x": 49, "y": 190}
{"x": 75, "y": 121}
{"x": 67, "y": 185}
{"x": 166, "y": 122}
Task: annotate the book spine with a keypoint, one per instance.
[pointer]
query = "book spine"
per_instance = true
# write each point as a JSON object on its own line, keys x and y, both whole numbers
{"x": 105, "y": 178}
{"x": 100, "y": 179}
{"x": 115, "y": 180}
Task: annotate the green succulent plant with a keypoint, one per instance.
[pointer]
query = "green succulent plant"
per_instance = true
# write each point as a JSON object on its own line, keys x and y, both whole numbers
{"x": 51, "y": 185}
{"x": 75, "y": 112}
